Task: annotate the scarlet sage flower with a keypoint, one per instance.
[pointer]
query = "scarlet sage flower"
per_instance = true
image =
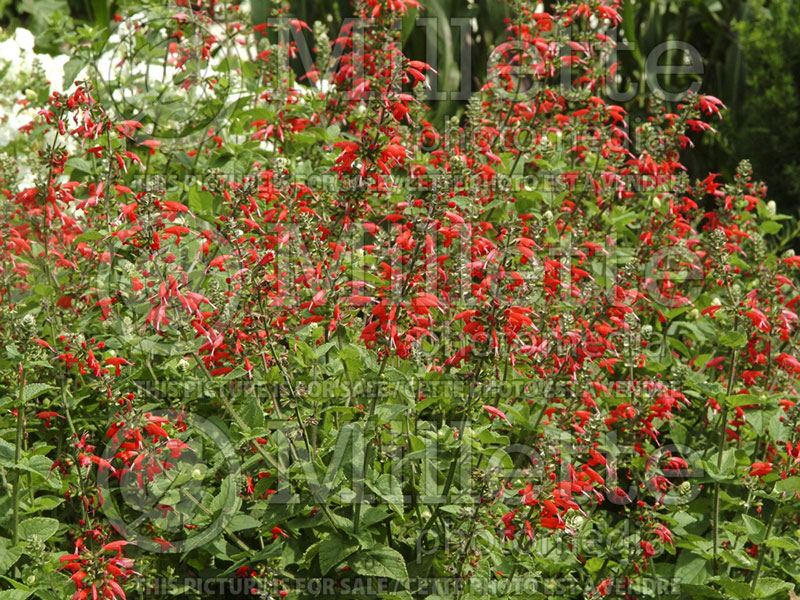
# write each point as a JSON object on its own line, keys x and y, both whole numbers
{"x": 424, "y": 302}
{"x": 663, "y": 533}
{"x": 174, "y": 207}
{"x": 495, "y": 412}
{"x": 115, "y": 546}
{"x": 47, "y": 415}
{"x": 604, "y": 587}
{"x": 759, "y": 469}
{"x": 788, "y": 362}
{"x": 219, "y": 262}
{"x": 152, "y": 145}
{"x": 357, "y": 300}
{"x": 710, "y": 104}
{"x": 759, "y": 320}
{"x": 117, "y": 362}
{"x": 458, "y": 357}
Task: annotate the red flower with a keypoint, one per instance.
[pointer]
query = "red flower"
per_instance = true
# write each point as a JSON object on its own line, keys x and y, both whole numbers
{"x": 495, "y": 412}
{"x": 759, "y": 320}
{"x": 604, "y": 587}
{"x": 759, "y": 469}
{"x": 117, "y": 362}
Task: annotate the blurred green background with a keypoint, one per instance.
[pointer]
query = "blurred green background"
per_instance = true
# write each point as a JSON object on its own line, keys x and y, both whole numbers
{"x": 750, "y": 51}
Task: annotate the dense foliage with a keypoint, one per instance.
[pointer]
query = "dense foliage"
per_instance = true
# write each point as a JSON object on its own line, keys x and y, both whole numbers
{"x": 285, "y": 331}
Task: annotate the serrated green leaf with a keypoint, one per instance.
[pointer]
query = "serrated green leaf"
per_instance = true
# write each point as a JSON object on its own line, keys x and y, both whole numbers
{"x": 732, "y": 339}
{"x": 14, "y": 594}
{"x": 240, "y": 522}
{"x": 333, "y": 550}
{"x": 43, "y": 290}
{"x": 790, "y": 484}
{"x": 770, "y": 586}
{"x": 253, "y": 413}
{"x": 43, "y": 527}
{"x": 32, "y": 390}
{"x": 691, "y": 568}
{"x": 737, "y": 589}
{"x": 699, "y": 591}
{"x": 771, "y": 227}
{"x": 785, "y": 543}
{"x": 9, "y": 554}
{"x": 380, "y": 561}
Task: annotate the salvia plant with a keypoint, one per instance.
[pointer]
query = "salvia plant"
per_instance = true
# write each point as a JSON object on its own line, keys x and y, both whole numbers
{"x": 268, "y": 332}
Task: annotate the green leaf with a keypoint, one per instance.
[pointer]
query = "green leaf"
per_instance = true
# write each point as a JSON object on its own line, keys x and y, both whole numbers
{"x": 380, "y": 561}
{"x": 790, "y": 484}
{"x": 43, "y": 527}
{"x": 32, "y": 390}
{"x": 89, "y": 236}
{"x": 43, "y": 466}
{"x": 228, "y": 498}
{"x": 100, "y": 10}
{"x": 738, "y": 559}
{"x": 699, "y": 591}
{"x": 726, "y": 467}
{"x": 733, "y": 339}
{"x": 75, "y": 162}
{"x": 737, "y": 589}
{"x": 770, "y": 586}
{"x": 41, "y": 503}
{"x": 14, "y": 594}
{"x": 691, "y": 568}
{"x": 594, "y": 564}
{"x": 741, "y": 399}
{"x": 755, "y": 528}
{"x": 202, "y": 203}
{"x": 43, "y": 290}
{"x": 333, "y": 550}
{"x": 9, "y": 554}
{"x": 389, "y": 489}
{"x": 240, "y": 522}
{"x": 351, "y": 356}
{"x": 784, "y": 543}
{"x": 253, "y": 413}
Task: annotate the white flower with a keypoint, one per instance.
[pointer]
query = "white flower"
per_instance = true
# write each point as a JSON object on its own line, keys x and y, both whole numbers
{"x": 54, "y": 71}
{"x": 9, "y": 51}
{"x": 24, "y": 39}
{"x": 771, "y": 208}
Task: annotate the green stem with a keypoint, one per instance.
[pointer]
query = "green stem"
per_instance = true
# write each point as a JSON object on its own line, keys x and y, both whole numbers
{"x": 721, "y": 450}
{"x": 655, "y": 578}
{"x": 244, "y": 427}
{"x": 448, "y": 482}
{"x": 514, "y": 569}
{"x": 763, "y": 553}
{"x": 18, "y": 454}
{"x": 367, "y": 454}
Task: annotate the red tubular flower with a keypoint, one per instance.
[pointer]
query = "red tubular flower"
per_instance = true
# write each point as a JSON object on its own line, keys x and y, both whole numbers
{"x": 759, "y": 469}
{"x": 604, "y": 587}
{"x": 495, "y": 412}
{"x": 117, "y": 362}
